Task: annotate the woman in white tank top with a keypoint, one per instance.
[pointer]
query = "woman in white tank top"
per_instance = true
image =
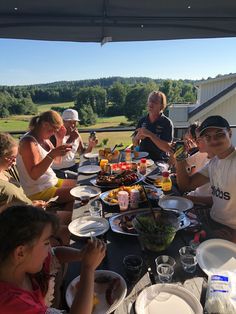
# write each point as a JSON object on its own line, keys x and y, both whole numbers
{"x": 36, "y": 155}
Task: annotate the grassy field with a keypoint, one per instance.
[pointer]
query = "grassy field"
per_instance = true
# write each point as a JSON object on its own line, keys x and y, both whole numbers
{"x": 21, "y": 122}
{"x": 46, "y": 107}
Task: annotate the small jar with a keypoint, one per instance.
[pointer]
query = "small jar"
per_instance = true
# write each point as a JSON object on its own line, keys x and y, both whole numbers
{"x": 107, "y": 168}
{"x": 143, "y": 166}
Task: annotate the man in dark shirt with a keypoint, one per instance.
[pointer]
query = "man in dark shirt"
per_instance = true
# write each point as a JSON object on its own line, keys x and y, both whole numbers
{"x": 155, "y": 131}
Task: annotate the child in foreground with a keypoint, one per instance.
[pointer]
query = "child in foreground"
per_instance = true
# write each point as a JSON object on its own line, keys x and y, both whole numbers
{"x": 25, "y": 260}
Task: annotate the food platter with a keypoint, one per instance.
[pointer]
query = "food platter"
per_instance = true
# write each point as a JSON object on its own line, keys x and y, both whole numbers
{"x": 116, "y": 183}
{"x": 110, "y": 197}
{"x": 175, "y": 202}
{"x": 154, "y": 179}
{"x": 88, "y": 226}
{"x": 122, "y": 223}
{"x": 216, "y": 254}
{"x": 86, "y": 190}
{"x": 114, "y": 282}
{"x": 167, "y": 298}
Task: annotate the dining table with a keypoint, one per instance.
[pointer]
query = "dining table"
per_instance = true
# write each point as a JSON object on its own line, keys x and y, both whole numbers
{"x": 119, "y": 245}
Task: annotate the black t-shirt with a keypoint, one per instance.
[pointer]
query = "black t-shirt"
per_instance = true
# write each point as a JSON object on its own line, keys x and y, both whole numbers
{"x": 162, "y": 128}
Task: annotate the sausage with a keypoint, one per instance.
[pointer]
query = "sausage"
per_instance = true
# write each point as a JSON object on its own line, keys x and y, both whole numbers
{"x": 111, "y": 289}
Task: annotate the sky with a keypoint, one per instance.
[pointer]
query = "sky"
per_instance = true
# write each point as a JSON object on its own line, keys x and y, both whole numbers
{"x": 24, "y": 62}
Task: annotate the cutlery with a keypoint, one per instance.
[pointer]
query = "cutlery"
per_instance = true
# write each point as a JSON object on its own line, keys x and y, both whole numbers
{"x": 53, "y": 199}
{"x": 114, "y": 148}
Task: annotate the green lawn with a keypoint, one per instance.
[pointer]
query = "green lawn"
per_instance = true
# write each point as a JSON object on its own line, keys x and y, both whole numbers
{"x": 21, "y": 122}
{"x": 46, "y": 107}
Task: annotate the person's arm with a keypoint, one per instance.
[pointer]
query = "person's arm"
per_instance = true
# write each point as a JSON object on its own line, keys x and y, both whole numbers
{"x": 11, "y": 193}
{"x": 93, "y": 255}
{"x": 34, "y": 164}
{"x": 92, "y": 142}
{"x": 135, "y": 138}
{"x": 67, "y": 254}
{"x": 82, "y": 149}
{"x": 161, "y": 144}
{"x": 206, "y": 200}
{"x": 186, "y": 182}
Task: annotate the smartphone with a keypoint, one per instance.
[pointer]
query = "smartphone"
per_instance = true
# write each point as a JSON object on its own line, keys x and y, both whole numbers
{"x": 179, "y": 149}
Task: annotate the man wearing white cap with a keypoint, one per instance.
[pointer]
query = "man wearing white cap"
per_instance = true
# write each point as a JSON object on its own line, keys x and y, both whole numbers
{"x": 220, "y": 172}
{"x": 70, "y": 119}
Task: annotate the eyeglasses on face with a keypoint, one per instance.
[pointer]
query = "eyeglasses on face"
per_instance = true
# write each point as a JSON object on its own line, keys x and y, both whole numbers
{"x": 10, "y": 158}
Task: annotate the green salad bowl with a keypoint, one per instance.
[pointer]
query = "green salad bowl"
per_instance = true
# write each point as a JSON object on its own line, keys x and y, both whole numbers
{"x": 156, "y": 234}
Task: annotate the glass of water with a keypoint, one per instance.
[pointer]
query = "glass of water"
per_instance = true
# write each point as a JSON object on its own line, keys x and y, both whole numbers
{"x": 96, "y": 209}
{"x": 188, "y": 259}
{"x": 165, "y": 272}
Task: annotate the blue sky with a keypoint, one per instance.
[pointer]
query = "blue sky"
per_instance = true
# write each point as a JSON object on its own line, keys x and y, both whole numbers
{"x": 30, "y": 62}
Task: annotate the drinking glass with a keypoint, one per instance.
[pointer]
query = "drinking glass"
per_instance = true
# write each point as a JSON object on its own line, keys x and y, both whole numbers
{"x": 165, "y": 272}
{"x": 123, "y": 200}
{"x": 188, "y": 259}
{"x": 96, "y": 209}
{"x": 133, "y": 267}
{"x": 165, "y": 259}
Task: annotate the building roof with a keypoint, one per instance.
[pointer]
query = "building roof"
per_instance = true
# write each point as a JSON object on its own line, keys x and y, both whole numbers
{"x": 217, "y": 78}
{"x": 117, "y": 20}
{"x": 212, "y": 100}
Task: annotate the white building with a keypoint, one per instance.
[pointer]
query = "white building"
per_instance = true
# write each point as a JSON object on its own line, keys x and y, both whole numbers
{"x": 216, "y": 96}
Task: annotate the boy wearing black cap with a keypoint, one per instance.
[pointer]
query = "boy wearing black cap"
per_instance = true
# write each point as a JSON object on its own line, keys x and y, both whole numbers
{"x": 220, "y": 171}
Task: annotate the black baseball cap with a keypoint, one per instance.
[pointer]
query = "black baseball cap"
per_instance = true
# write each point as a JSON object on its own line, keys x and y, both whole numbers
{"x": 213, "y": 122}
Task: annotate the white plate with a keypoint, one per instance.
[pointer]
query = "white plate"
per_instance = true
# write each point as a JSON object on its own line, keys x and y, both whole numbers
{"x": 90, "y": 169}
{"x": 175, "y": 202}
{"x": 91, "y": 155}
{"x": 88, "y": 226}
{"x": 100, "y": 289}
{"x": 85, "y": 190}
{"x": 140, "y": 155}
{"x": 167, "y": 299}
{"x": 216, "y": 253}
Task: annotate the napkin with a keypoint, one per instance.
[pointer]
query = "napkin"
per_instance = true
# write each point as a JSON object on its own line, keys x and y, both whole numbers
{"x": 229, "y": 265}
{"x": 90, "y": 226}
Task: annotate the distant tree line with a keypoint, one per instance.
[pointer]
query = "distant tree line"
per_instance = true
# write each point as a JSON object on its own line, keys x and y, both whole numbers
{"x": 98, "y": 97}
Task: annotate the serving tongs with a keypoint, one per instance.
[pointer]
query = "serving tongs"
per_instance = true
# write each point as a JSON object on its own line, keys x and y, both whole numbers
{"x": 113, "y": 149}
{"x": 151, "y": 209}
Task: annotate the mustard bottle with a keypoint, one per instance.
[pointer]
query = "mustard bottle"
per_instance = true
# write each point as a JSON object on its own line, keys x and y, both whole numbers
{"x": 166, "y": 182}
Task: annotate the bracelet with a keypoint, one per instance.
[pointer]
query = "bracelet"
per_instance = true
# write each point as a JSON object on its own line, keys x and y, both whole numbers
{"x": 49, "y": 157}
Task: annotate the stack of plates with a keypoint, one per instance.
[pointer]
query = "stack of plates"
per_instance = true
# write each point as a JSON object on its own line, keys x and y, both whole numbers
{"x": 167, "y": 299}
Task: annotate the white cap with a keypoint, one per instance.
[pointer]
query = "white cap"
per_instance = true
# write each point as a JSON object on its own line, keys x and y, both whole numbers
{"x": 70, "y": 114}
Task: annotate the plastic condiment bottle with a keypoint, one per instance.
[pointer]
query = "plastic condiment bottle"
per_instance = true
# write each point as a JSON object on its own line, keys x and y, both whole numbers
{"x": 143, "y": 166}
{"x": 128, "y": 155}
{"x": 166, "y": 182}
{"x": 103, "y": 162}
